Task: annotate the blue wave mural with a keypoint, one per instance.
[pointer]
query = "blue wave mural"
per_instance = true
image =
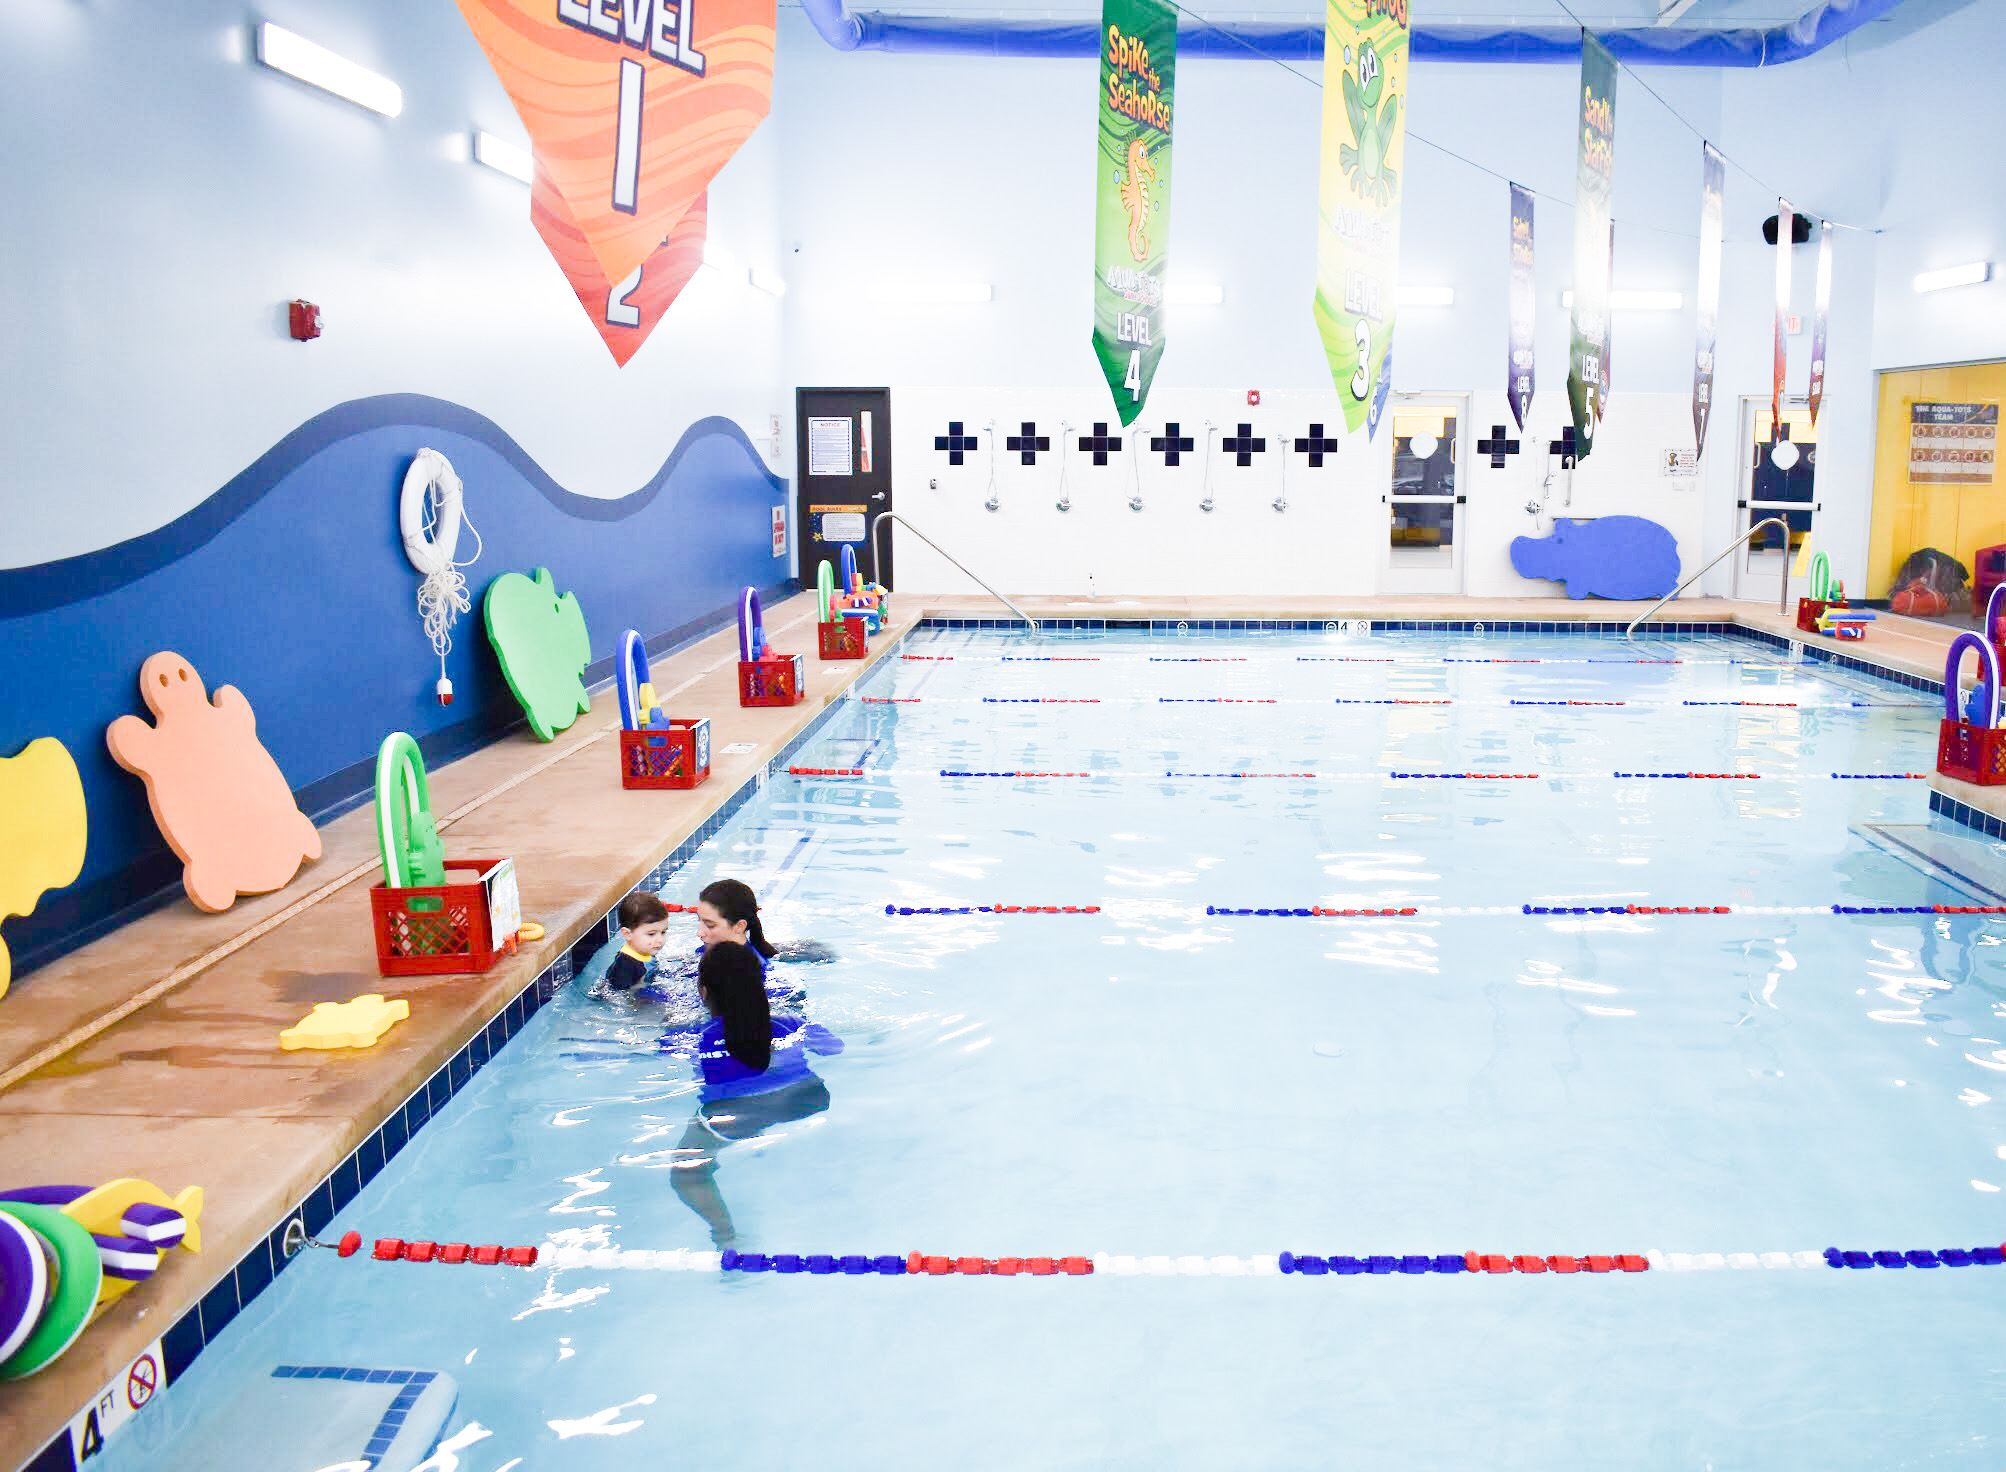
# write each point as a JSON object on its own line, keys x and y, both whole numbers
{"x": 290, "y": 582}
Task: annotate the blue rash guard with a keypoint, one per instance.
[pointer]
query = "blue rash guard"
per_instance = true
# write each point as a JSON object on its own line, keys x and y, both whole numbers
{"x": 724, "y": 1077}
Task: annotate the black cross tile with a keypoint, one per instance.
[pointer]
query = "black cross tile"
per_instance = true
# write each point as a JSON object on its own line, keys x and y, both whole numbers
{"x": 1100, "y": 442}
{"x": 1243, "y": 446}
{"x": 1497, "y": 447}
{"x": 1316, "y": 446}
{"x": 1171, "y": 444}
{"x": 1029, "y": 443}
{"x": 955, "y": 442}
{"x": 1563, "y": 447}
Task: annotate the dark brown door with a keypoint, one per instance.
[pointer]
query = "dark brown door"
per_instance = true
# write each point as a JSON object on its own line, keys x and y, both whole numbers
{"x": 844, "y": 480}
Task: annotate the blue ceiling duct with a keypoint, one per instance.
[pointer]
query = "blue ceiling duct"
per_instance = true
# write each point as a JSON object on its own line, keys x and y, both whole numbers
{"x": 1810, "y": 33}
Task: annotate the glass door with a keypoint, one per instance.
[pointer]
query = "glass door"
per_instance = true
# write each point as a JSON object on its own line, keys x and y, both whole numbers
{"x": 1779, "y": 468}
{"x": 1424, "y": 543}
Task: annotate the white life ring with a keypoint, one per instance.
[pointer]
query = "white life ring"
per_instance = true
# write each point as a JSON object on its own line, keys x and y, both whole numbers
{"x": 429, "y": 512}
{"x": 429, "y": 515}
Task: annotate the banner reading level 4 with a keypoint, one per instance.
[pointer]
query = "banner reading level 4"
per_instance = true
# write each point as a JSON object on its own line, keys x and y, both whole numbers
{"x": 1132, "y": 196}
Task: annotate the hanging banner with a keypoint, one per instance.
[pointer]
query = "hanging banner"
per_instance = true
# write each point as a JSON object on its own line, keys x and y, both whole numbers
{"x": 1594, "y": 182}
{"x": 1713, "y": 177}
{"x": 1519, "y": 363}
{"x": 1786, "y": 223}
{"x": 1821, "y": 314}
{"x": 631, "y": 108}
{"x": 623, "y": 312}
{"x": 1132, "y": 207}
{"x": 1358, "y": 197}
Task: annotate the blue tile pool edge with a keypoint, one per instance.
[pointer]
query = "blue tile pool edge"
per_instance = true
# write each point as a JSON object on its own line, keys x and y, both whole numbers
{"x": 255, "y": 1271}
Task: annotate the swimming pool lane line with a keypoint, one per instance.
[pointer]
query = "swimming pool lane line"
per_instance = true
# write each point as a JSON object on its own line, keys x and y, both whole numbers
{"x": 1430, "y": 912}
{"x": 1126, "y": 1265}
{"x": 1312, "y": 700}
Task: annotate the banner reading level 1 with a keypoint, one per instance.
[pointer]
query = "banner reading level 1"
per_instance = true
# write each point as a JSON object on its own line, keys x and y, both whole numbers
{"x": 1712, "y": 177}
{"x": 1132, "y": 203}
{"x": 1358, "y": 197}
{"x": 1594, "y": 180}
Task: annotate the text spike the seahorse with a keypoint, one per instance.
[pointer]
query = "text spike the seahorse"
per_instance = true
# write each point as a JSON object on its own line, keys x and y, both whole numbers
{"x": 1132, "y": 197}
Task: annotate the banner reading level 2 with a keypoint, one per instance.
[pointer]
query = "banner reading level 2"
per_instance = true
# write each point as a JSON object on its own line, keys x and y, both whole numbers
{"x": 1358, "y": 197}
{"x": 1132, "y": 200}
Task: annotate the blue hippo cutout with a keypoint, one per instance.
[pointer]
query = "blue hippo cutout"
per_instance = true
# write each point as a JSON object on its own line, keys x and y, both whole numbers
{"x": 1609, "y": 557}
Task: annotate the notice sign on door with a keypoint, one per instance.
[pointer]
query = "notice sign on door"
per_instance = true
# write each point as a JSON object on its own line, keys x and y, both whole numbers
{"x": 838, "y": 523}
{"x": 829, "y": 446}
{"x": 1952, "y": 444}
{"x": 779, "y": 531}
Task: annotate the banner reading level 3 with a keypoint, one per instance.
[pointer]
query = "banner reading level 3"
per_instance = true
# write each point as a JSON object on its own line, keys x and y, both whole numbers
{"x": 1132, "y": 201}
{"x": 1358, "y": 197}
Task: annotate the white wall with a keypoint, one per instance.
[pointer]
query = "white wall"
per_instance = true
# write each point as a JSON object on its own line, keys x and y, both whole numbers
{"x": 167, "y": 196}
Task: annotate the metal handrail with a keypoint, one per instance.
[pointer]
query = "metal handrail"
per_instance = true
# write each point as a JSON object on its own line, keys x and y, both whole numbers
{"x": 1782, "y": 593}
{"x": 878, "y": 561}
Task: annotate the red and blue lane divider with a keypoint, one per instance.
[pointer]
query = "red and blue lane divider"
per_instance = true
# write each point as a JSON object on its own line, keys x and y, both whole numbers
{"x": 1240, "y": 774}
{"x": 992, "y": 909}
{"x": 1198, "y": 659}
{"x": 1943, "y": 1257}
{"x": 946, "y": 773}
{"x": 1342, "y": 701}
{"x": 1215, "y": 700}
{"x": 1040, "y": 700}
{"x": 397, "y": 1249}
{"x": 1047, "y": 658}
{"x": 911, "y": 1264}
{"x": 825, "y": 771}
{"x": 1468, "y": 776}
{"x": 1313, "y": 912}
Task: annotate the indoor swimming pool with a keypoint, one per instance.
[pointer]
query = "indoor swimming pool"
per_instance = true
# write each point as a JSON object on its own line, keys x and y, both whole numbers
{"x": 1073, "y": 886}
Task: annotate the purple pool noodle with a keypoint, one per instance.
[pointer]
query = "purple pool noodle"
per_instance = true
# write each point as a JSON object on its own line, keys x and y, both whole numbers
{"x": 24, "y": 1284}
{"x": 126, "y": 1257}
{"x": 53, "y": 1196}
{"x": 158, "y": 1226}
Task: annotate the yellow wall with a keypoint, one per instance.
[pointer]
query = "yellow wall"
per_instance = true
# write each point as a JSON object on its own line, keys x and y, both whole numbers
{"x": 1954, "y": 519}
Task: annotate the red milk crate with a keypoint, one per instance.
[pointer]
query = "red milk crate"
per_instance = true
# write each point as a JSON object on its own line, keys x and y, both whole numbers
{"x": 1809, "y": 611}
{"x": 446, "y": 929}
{"x": 842, "y": 638}
{"x": 676, "y": 757}
{"x": 1971, "y": 753}
{"x": 774, "y": 679}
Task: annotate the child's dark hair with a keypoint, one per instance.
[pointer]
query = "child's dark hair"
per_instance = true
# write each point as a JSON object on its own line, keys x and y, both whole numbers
{"x": 734, "y": 900}
{"x": 641, "y": 908}
{"x": 734, "y": 988}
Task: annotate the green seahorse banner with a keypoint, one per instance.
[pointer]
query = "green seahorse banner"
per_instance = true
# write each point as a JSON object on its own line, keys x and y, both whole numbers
{"x": 1132, "y": 203}
{"x": 1594, "y": 244}
{"x": 1358, "y": 198}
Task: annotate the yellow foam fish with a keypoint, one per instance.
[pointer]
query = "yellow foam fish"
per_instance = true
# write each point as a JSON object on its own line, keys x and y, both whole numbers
{"x": 357, "y": 1023}
{"x": 42, "y": 829}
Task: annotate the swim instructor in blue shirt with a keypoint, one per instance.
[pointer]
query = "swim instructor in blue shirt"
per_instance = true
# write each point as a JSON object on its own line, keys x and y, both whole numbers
{"x": 755, "y": 1075}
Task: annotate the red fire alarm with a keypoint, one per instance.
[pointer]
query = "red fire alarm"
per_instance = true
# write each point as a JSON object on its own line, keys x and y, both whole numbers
{"x": 305, "y": 317}
{"x": 1253, "y": 398}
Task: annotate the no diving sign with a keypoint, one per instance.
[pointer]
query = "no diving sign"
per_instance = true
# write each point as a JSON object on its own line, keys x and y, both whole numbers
{"x": 123, "y": 1397}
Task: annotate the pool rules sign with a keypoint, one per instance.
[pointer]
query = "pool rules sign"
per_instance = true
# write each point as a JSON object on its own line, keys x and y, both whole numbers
{"x": 1132, "y": 200}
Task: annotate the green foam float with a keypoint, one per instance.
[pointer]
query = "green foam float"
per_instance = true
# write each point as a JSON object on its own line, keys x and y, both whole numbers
{"x": 539, "y": 636}
{"x": 407, "y": 834}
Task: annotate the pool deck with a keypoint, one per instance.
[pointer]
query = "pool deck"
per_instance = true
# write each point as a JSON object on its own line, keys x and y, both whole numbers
{"x": 153, "y": 1051}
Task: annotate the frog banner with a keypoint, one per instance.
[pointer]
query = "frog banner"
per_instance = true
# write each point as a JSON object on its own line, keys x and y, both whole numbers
{"x": 1519, "y": 348}
{"x": 1594, "y": 182}
{"x": 1132, "y": 201}
{"x": 1712, "y": 178}
{"x": 1358, "y": 197}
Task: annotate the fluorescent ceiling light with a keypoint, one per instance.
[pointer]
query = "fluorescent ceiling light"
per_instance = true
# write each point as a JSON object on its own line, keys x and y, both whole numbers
{"x": 931, "y": 291}
{"x": 296, "y": 56}
{"x": 503, "y": 156}
{"x": 1969, "y": 275}
{"x": 1425, "y": 296}
{"x": 766, "y": 281}
{"x": 1636, "y": 301}
{"x": 1194, "y": 293}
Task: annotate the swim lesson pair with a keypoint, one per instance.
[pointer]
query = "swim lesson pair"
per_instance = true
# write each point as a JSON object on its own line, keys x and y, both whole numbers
{"x": 753, "y": 1063}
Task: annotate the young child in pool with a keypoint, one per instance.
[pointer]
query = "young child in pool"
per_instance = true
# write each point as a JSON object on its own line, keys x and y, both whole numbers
{"x": 644, "y": 930}
{"x": 755, "y": 1075}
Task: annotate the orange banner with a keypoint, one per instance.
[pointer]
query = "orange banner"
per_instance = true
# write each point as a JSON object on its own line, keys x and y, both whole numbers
{"x": 632, "y": 107}
{"x": 623, "y": 311}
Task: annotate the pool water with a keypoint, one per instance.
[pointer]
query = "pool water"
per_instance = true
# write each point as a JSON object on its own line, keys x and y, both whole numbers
{"x": 1154, "y": 1079}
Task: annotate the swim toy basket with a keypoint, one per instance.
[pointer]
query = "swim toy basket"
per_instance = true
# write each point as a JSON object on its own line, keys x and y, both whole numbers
{"x": 764, "y": 676}
{"x": 836, "y": 637}
{"x": 441, "y": 929}
{"x": 1972, "y": 751}
{"x": 1824, "y": 594}
{"x": 656, "y": 750}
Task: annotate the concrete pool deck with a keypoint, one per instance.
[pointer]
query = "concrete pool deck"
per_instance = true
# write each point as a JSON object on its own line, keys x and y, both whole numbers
{"x": 153, "y": 1051}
